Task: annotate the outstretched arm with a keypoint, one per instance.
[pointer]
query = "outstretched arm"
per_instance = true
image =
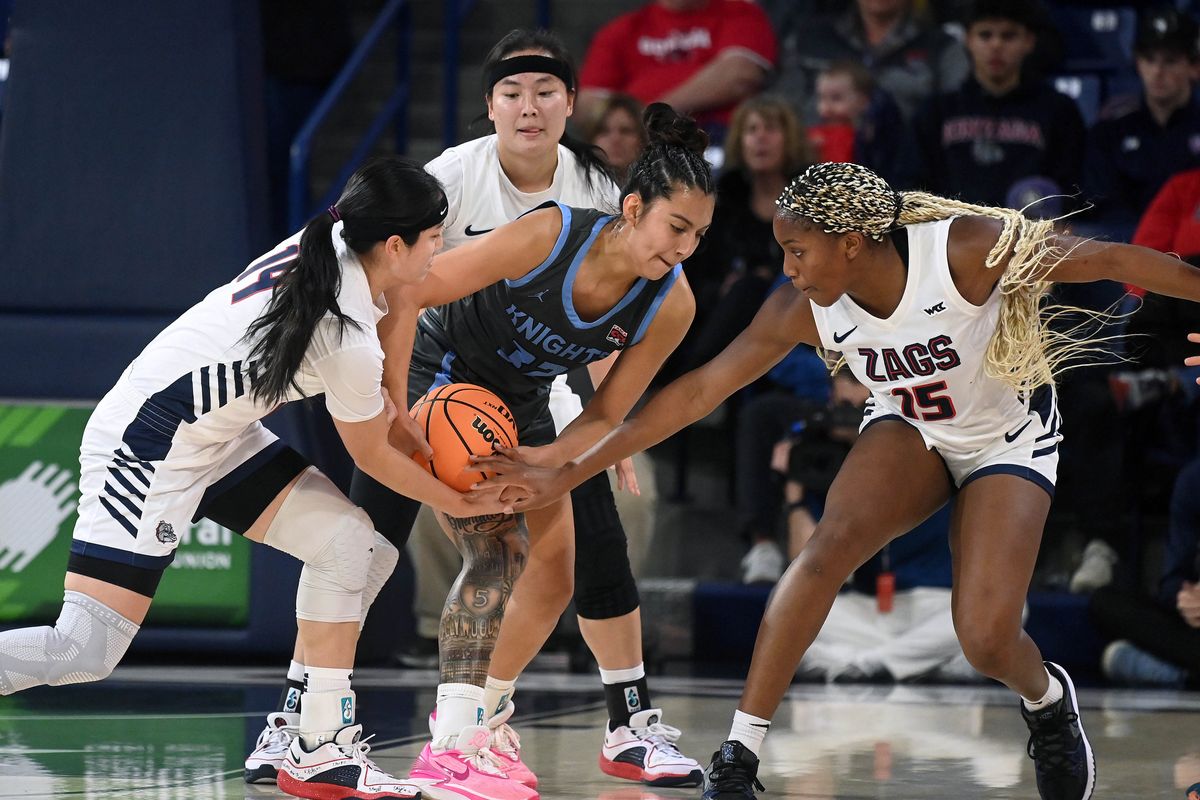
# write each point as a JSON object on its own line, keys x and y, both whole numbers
{"x": 1085, "y": 260}
{"x": 783, "y": 321}
{"x": 626, "y": 381}
{"x": 1089, "y": 260}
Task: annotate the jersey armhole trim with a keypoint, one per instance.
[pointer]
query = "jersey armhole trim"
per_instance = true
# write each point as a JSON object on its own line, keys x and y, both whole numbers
{"x": 652, "y": 312}
{"x": 946, "y": 276}
{"x": 568, "y": 286}
{"x": 558, "y": 246}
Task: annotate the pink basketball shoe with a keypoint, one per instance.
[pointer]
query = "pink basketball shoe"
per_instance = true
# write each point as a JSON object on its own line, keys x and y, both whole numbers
{"x": 467, "y": 771}
{"x": 506, "y": 747}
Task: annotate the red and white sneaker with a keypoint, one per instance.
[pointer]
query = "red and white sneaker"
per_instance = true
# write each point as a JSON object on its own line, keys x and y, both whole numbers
{"x": 263, "y": 764}
{"x": 340, "y": 770}
{"x": 467, "y": 771}
{"x": 505, "y": 745}
{"x": 645, "y": 751}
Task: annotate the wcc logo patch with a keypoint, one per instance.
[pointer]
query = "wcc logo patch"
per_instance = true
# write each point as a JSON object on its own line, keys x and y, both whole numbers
{"x": 165, "y": 532}
{"x": 293, "y": 699}
{"x": 633, "y": 700}
{"x": 617, "y": 335}
{"x": 347, "y": 710}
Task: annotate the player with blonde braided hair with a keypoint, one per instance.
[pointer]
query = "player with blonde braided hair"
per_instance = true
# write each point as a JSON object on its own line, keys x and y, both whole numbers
{"x": 935, "y": 305}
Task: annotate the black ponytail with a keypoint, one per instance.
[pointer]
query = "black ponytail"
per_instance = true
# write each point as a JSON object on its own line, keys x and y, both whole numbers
{"x": 674, "y": 155}
{"x": 591, "y": 158}
{"x": 389, "y": 196}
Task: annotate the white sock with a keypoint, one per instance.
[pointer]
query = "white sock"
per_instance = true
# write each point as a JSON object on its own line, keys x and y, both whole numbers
{"x": 749, "y": 730}
{"x": 296, "y": 672}
{"x": 1054, "y": 693}
{"x": 326, "y": 679}
{"x": 459, "y": 705}
{"x": 323, "y": 714}
{"x": 615, "y": 676}
{"x": 496, "y": 694}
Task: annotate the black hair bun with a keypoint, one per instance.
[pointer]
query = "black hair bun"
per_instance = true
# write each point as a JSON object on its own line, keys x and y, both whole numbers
{"x": 666, "y": 126}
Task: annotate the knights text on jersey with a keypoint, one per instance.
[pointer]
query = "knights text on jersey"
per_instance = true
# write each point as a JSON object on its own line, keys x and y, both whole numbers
{"x": 926, "y": 361}
{"x": 516, "y": 336}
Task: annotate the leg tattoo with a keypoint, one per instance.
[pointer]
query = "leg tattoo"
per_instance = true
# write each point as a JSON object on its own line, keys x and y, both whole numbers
{"x": 494, "y": 549}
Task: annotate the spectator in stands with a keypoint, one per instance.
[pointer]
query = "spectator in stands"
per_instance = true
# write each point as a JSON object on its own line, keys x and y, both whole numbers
{"x": 909, "y": 58}
{"x": 616, "y": 128}
{"x": 776, "y": 419}
{"x": 1171, "y": 223}
{"x": 740, "y": 259}
{"x": 1130, "y": 156}
{"x": 1004, "y": 129}
{"x": 1158, "y": 643}
{"x": 1155, "y": 398}
{"x": 702, "y": 57}
{"x": 859, "y": 122}
{"x": 894, "y": 621}
{"x": 812, "y": 455}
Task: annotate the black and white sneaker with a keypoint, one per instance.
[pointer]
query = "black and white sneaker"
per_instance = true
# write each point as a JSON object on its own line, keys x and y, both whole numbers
{"x": 732, "y": 775}
{"x": 1062, "y": 756}
{"x": 270, "y": 750}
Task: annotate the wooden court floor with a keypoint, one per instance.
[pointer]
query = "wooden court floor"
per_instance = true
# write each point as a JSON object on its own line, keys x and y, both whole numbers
{"x": 180, "y": 733}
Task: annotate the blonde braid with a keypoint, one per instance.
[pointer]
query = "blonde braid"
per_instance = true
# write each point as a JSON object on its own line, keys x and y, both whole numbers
{"x": 1024, "y": 352}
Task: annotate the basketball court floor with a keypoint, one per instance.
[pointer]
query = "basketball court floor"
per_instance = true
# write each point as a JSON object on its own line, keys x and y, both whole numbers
{"x": 154, "y": 733}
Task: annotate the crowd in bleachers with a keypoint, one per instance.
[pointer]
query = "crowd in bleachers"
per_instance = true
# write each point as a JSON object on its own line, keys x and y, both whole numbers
{"x": 1080, "y": 112}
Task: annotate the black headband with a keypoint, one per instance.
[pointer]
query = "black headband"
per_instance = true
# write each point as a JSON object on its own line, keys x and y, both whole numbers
{"x": 518, "y": 64}
{"x": 380, "y": 228}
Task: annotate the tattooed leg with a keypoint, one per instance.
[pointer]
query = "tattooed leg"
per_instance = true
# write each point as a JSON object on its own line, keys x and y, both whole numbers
{"x": 495, "y": 550}
{"x": 543, "y": 593}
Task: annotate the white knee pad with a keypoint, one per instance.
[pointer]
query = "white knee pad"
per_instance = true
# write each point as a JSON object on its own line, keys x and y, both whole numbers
{"x": 85, "y": 644}
{"x": 383, "y": 563}
{"x": 334, "y": 538}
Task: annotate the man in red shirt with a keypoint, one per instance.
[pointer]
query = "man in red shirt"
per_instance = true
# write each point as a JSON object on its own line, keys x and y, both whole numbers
{"x": 701, "y": 56}
{"x": 1172, "y": 222}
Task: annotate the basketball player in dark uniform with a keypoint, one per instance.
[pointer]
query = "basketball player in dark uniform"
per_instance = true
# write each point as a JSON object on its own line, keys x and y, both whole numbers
{"x": 556, "y": 289}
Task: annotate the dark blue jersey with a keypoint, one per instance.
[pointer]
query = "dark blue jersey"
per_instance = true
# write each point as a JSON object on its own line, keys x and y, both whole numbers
{"x": 515, "y": 336}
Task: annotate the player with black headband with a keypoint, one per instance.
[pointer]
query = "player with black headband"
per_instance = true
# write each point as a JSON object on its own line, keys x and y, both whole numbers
{"x": 179, "y": 438}
{"x": 529, "y": 88}
{"x": 558, "y": 288}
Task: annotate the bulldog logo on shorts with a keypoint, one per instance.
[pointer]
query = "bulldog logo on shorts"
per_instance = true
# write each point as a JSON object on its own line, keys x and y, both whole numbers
{"x": 165, "y": 532}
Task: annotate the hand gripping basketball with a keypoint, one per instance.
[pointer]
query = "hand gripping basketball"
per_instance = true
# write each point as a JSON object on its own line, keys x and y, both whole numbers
{"x": 460, "y": 420}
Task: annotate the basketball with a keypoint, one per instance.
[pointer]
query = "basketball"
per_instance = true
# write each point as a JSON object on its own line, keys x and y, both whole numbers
{"x": 460, "y": 420}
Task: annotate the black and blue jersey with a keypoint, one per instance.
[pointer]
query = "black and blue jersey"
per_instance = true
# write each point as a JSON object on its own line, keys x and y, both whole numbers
{"x": 515, "y": 336}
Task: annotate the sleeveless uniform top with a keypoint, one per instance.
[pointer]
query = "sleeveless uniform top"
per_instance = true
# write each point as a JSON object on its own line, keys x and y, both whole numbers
{"x": 516, "y": 336}
{"x": 926, "y": 361}
{"x": 490, "y": 200}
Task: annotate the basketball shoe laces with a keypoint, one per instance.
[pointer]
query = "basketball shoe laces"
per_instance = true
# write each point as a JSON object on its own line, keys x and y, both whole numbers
{"x": 483, "y": 760}
{"x": 505, "y": 740}
{"x": 357, "y": 752}
{"x": 662, "y": 735}
{"x": 1052, "y": 744}
{"x": 277, "y": 740}
{"x": 732, "y": 777}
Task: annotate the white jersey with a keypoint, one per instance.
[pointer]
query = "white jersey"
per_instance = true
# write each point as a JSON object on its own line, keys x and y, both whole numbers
{"x": 181, "y": 417}
{"x": 199, "y": 370}
{"x": 926, "y": 361}
{"x": 482, "y": 198}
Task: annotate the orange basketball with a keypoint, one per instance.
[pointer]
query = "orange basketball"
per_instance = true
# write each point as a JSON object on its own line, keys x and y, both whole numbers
{"x": 460, "y": 420}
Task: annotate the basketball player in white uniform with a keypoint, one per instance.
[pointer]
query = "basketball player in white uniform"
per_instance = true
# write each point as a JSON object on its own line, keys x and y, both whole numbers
{"x": 529, "y": 88}
{"x": 935, "y": 305}
{"x": 179, "y": 438}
